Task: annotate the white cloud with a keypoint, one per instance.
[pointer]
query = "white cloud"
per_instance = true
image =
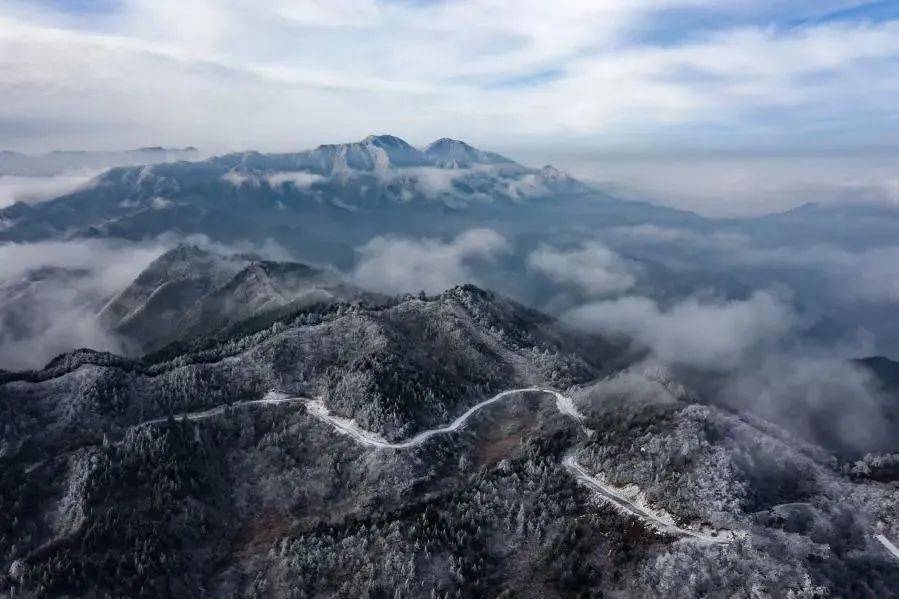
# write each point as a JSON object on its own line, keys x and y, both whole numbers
{"x": 735, "y": 185}
{"x": 238, "y": 179}
{"x": 37, "y": 189}
{"x": 433, "y": 182}
{"x": 593, "y": 268}
{"x": 830, "y": 401}
{"x": 299, "y": 179}
{"x": 868, "y": 275}
{"x": 159, "y": 203}
{"x": 56, "y": 311}
{"x": 298, "y": 70}
{"x": 705, "y": 333}
{"x": 395, "y": 265}
{"x": 114, "y": 262}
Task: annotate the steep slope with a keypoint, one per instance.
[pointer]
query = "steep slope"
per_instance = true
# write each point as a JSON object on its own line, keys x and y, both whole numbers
{"x": 148, "y": 312}
{"x": 189, "y": 292}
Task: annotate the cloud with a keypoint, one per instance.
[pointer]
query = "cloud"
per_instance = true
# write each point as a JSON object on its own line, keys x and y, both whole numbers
{"x": 113, "y": 262}
{"x": 51, "y": 292}
{"x": 699, "y": 332}
{"x": 37, "y": 189}
{"x": 396, "y": 265}
{"x": 159, "y": 203}
{"x": 868, "y": 275}
{"x": 732, "y": 183}
{"x": 237, "y": 179}
{"x": 432, "y": 182}
{"x": 298, "y": 179}
{"x": 645, "y": 382}
{"x": 297, "y": 72}
{"x": 831, "y": 402}
{"x": 655, "y": 234}
{"x": 592, "y": 268}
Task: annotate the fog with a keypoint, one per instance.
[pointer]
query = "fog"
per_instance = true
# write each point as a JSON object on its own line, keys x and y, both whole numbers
{"x": 36, "y": 189}
{"x": 767, "y": 329}
{"x": 51, "y": 292}
{"x": 396, "y": 265}
{"x": 731, "y": 183}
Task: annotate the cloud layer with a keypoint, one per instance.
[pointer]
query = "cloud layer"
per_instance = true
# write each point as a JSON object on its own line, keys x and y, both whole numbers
{"x": 397, "y": 265}
{"x": 51, "y": 292}
{"x": 699, "y": 332}
{"x": 592, "y": 268}
{"x": 36, "y": 189}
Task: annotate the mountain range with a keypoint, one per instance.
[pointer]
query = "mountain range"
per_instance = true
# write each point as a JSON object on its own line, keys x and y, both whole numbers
{"x": 253, "y": 421}
{"x": 228, "y": 463}
{"x": 317, "y": 203}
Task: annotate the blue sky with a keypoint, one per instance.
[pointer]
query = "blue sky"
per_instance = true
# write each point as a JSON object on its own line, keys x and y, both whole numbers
{"x": 569, "y": 77}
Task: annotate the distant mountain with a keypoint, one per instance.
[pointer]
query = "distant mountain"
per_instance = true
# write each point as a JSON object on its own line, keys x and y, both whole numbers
{"x": 54, "y": 163}
{"x": 318, "y": 202}
{"x": 188, "y": 292}
{"x": 384, "y": 170}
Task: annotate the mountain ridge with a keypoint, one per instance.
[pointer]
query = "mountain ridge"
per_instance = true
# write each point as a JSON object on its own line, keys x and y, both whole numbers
{"x": 107, "y": 491}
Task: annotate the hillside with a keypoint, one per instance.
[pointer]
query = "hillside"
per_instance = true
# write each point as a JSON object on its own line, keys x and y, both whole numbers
{"x": 109, "y": 490}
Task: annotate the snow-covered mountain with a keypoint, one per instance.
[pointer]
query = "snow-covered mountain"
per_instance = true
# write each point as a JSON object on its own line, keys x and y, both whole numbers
{"x": 383, "y": 169}
{"x": 189, "y": 292}
{"x": 376, "y": 174}
{"x": 452, "y": 153}
{"x": 207, "y": 469}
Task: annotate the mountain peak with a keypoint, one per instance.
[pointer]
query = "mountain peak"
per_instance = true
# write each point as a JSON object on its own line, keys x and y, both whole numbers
{"x": 560, "y": 179}
{"x": 387, "y": 141}
{"x": 448, "y": 142}
{"x": 453, "y": 153}
{"x": 375, "y": 152}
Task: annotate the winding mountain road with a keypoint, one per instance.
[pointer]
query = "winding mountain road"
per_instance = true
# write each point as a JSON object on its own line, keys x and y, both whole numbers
{"x": 888, "y": 544}
{"x": 564, "y": 404}
{"x": 271, "y": 399}
{"x": 349, "y": 427}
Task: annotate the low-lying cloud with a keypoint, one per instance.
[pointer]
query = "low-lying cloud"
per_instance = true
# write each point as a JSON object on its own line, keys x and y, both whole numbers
{"x": 699, "y": 332}
{"x": 832, "y": 402}
{"x": 592, "y": 268}
{"x": 298, "y": 179}
{"x": 51, "y": 292}
{"x": 37, "y": 189}
{"x": 398, "y": 264}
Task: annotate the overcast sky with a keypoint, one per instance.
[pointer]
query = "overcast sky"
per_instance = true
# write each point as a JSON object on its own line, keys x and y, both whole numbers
{"x": 579, "y": 82}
